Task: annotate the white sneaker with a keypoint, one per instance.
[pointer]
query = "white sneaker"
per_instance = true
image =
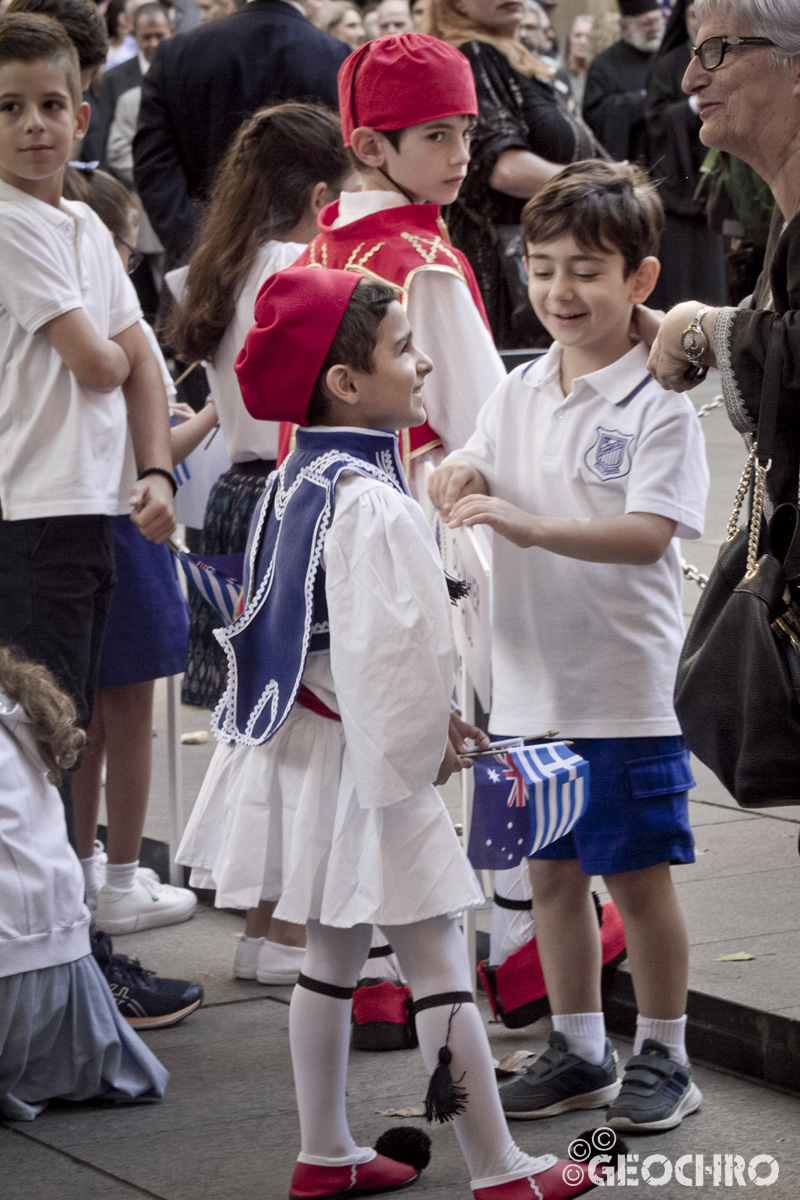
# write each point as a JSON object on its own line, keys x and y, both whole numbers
{"x": 147, "y": 905}
{"x": 101, "y": 862}
{"x": 278, "y": 964}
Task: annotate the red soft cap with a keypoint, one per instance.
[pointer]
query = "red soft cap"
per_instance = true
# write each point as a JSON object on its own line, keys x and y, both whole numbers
{"x": 404, "y": 79}
{"x": 298, "y": 312}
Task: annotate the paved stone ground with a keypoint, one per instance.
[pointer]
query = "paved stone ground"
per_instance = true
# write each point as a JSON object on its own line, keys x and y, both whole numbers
{"x": 227, "y": 1129}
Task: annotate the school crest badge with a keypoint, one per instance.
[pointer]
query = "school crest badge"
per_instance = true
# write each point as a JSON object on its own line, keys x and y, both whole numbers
{"x": 609, "y": 456}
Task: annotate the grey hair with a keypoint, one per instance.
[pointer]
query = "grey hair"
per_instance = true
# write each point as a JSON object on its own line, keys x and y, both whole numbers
{"x": 778, "y": 20}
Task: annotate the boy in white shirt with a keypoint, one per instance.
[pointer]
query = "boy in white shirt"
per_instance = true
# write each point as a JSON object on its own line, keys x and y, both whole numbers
{"x": 73, "y": 359}
{"x": 588, "y": 629}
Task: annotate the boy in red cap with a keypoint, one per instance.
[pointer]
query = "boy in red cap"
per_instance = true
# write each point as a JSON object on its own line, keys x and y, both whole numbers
{"x": 335, "y": 723}
{"x": 408, "y": 106}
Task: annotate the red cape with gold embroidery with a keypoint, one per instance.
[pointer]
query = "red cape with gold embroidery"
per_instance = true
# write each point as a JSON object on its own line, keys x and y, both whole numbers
{"x": 391, "y": 246}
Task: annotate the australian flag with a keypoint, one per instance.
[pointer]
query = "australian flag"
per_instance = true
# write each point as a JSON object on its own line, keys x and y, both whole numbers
{"x": 525, "y": 798}
{"x": 218, "y": 579}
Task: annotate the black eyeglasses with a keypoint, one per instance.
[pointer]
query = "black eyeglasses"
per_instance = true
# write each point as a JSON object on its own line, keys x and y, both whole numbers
{"x": 135, "y": 257}
{"x": 712, "y": 51}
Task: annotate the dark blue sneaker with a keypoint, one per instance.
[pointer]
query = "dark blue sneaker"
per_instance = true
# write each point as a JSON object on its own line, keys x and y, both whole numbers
{"x": 656, "y": 1093}
{"x": 558, "y": 1082}
{"x": 144, "y": 999}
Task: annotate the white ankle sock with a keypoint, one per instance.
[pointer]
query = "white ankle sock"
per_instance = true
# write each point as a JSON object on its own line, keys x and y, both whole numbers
{"x": 121, "y": 876}
{"x": 585, "y": 1034}
{"x": 671, "y": 1034}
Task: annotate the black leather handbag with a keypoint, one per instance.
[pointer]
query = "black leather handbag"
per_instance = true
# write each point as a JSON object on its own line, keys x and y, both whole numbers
{"x": 737, "y": 694}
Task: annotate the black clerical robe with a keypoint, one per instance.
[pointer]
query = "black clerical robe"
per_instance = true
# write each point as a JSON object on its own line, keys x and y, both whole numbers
{"x": 615, "y": 100}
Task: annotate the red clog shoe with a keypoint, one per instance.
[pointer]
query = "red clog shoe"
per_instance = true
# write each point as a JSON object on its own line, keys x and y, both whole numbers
{"x": 382, "y": 1016}
{"x": 363, "y": 1179}
{"x": 517, "y": 991}
{"x": 558, "y": 1182}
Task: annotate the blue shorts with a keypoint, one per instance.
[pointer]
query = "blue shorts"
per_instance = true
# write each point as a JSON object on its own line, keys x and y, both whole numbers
{"x": 637, "y": 815}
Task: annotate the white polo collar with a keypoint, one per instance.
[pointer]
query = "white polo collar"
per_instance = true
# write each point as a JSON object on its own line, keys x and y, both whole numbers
{"x": 66, "y": 216}
{"x": 620, "y": 382}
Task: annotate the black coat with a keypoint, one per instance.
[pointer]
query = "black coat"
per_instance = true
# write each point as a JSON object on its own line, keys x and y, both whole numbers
{"x": 202, "y": 85}
{"x": 777, "y": 291}
{"x": 615, "y": 99}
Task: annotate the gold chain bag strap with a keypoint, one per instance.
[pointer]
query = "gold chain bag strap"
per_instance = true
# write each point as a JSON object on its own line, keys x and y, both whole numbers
{"x": 737, "y": 693}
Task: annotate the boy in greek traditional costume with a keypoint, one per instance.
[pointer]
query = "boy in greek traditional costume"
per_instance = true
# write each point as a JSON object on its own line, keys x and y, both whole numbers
{"x": 408, "y": 107}
{"x": 335, "y": 723}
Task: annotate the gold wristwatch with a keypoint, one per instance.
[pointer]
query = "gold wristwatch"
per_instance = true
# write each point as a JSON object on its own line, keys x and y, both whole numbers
{"x": 694, "y": 344}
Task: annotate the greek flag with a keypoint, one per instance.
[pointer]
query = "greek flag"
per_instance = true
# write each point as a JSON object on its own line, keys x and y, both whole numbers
{"x": 218, "y": 579}
{"x": 525, "y": 798}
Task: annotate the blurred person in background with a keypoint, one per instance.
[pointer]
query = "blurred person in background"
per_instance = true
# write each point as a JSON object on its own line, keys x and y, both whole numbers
{"x": 576, "y": 60}
{"x": 524, "y": 136}
{"x": 394, "y": 16}
{"x": 692, "y": 255}
{"x": 615, "y": 98}
{"x": 418, "y": 10}
{"x": 342, "y": 21}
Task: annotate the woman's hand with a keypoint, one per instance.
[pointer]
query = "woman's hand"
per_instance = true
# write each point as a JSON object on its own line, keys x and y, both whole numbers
{"x": 667, "y": 362}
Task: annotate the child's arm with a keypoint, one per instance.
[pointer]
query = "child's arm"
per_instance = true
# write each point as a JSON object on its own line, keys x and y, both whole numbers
{"x": 146, "y": 400}
{"x": 96, "y": 362}
{"x": 633, "y": 539}
{"x": 187, "y": 436}
{"x": 452, "y": 481}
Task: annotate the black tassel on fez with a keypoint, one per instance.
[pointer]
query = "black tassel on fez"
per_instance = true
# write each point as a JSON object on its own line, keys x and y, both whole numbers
{"x": 445, "y": 1099}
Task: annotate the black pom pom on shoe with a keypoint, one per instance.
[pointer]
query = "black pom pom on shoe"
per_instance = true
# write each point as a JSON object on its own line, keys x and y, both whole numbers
{"x": 605, "y": 1141}
{"x": 406, "y": 1144}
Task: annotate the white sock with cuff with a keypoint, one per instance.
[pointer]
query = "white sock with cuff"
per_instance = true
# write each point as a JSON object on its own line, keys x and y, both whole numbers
{"x": 121, "y": 876}
{"x": 671, "y": 1034}
{"x": 585, "y": 1034}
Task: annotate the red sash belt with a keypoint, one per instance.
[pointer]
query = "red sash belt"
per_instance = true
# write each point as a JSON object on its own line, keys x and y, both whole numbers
{"x": 307, "y": 699}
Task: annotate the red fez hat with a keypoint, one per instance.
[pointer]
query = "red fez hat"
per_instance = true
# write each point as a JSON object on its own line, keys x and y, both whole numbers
{"x": 298, "y": 312}
{"x": 404, "y": 79}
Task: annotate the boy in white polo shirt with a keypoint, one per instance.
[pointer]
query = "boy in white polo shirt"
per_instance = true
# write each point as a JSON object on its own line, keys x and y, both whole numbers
{"x": 73, "y": 360}
{"x": 589, "y": 471}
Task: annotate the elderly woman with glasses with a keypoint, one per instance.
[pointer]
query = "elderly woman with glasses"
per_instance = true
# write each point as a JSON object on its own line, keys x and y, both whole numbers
{"x": 744, "y": 78}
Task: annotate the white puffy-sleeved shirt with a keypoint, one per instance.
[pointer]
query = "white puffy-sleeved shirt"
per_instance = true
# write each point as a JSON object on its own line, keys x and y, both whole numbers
{"x": 246, "y": 438}
{"x": 61, "y": 444}
{"x": 43, "y": 920}
{"x": 447, "y": 326}
{"x": 588, "y": 649}
{"x": 340, "y": 820}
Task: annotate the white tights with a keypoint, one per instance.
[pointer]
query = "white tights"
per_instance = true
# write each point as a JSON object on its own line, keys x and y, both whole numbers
{"x": 434, "y": 959}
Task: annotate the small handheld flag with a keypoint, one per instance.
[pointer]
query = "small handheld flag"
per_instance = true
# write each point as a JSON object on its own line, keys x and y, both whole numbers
{"x": 218, "y": 579}
{"x": 525, "y": 798}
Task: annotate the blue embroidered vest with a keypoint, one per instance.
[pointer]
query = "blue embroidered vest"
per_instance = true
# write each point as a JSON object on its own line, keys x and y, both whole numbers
{"x": 285, "y": 615}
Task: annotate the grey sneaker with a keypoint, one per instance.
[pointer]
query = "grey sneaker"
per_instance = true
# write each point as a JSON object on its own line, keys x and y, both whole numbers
{"x": 656, "y": 1093}
{"x": 559, "y": 1082}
